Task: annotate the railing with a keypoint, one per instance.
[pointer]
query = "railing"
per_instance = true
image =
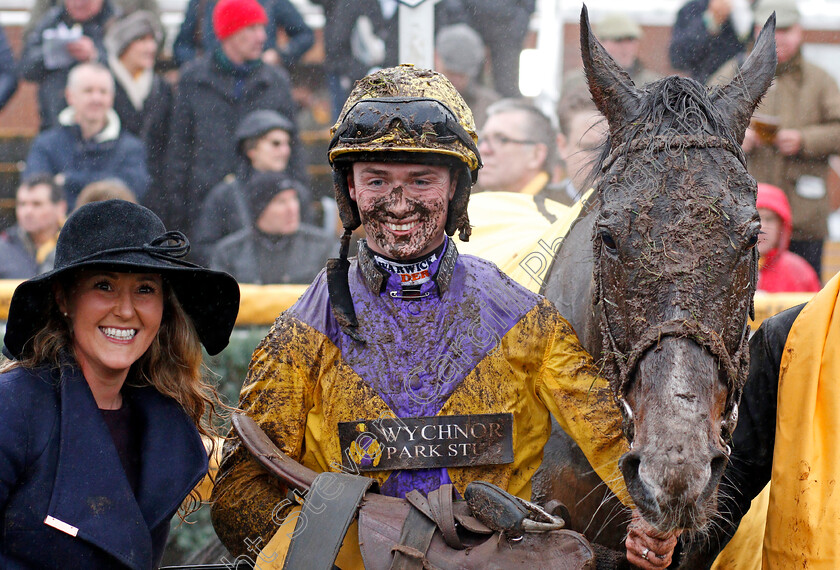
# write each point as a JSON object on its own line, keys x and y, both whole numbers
{"x": 260, "y": 304}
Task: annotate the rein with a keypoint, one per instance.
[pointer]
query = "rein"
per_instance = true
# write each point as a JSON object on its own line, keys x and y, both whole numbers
{"x": 624, "y": 364}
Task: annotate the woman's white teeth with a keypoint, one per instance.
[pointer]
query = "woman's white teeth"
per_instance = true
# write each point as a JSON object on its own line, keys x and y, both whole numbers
{"x": 119, "y": 334}
{"x": 400, "y": 227}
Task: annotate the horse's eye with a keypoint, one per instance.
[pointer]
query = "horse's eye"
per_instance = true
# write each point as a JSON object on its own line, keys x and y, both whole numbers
{"x": 608, "y": 240}
{"x": 751, "y": 243}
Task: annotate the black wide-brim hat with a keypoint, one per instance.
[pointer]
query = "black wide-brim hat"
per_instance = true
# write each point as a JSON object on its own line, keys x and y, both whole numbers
{"x": 127, "y": 237}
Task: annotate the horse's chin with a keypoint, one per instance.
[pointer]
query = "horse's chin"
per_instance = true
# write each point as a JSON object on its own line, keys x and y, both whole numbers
{"x": 693, "y": 519}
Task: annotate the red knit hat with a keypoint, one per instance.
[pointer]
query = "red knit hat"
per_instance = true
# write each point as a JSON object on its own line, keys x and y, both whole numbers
{"x": 230, "y": 16}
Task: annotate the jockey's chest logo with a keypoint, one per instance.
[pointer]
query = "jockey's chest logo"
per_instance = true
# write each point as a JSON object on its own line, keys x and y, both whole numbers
{"x": 429, "y": 442}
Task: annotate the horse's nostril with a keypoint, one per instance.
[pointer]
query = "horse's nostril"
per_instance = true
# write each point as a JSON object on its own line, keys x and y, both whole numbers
{"x": 629, "y": 466}
{"x": 719, "y": 461}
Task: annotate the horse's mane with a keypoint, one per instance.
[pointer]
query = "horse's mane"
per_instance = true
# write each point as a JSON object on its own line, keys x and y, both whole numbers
{"x": 672, "y": 105}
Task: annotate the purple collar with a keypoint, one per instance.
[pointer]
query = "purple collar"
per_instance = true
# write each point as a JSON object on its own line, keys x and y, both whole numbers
{"x": 380, "y": 281}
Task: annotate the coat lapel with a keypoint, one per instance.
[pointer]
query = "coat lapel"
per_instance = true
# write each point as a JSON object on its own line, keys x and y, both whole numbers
{"x": 92, "y": 498}
{"x": 91, "y": 492}
{"x": 174, "y": 458}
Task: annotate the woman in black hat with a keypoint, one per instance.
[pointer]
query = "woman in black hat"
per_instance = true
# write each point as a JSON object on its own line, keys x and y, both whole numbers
{"x": 103, "y": 407}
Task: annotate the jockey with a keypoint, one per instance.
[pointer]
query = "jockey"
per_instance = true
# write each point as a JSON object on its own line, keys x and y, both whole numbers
{"x": 409, "y": 329}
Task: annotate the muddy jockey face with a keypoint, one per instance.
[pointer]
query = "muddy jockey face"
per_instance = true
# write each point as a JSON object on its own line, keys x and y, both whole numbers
{"x": 404, "y": 158}
{"x": 402, "y": 206}
{"x": 405, "y": 115}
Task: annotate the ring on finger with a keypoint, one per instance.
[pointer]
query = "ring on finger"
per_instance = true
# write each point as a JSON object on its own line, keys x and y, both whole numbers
{"x": 645, "y": 553}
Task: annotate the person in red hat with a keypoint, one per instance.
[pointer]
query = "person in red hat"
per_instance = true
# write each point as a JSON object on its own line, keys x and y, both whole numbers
{"x": 215, "y": 93}
{"x": 780, "y": 270}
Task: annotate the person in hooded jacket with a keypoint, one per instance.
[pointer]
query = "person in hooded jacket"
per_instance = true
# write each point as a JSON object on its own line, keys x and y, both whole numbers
{"x": 275, "y": 247}
{"x": 142, "y": 98}
{"x": 263, "y": 144}
{"x": 780, "y": 270}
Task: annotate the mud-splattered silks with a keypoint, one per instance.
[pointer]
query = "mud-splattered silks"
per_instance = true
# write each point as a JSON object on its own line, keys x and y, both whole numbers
{"x": 477, "y": 344}
{"x": 419, "y": 349}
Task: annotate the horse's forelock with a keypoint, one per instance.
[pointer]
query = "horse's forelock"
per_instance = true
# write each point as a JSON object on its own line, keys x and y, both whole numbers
{"x": 673, "y": 105}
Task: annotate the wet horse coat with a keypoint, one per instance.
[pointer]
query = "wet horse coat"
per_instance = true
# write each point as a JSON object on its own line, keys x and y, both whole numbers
{"x": 657, "y": 277}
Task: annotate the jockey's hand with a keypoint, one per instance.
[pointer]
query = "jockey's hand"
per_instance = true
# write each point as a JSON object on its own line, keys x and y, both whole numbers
{"x": 646, "y": 547}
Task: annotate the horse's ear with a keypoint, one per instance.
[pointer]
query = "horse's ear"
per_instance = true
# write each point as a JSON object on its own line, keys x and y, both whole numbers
{"x": 613, "y": 92}
{"x": 741, "y": 96}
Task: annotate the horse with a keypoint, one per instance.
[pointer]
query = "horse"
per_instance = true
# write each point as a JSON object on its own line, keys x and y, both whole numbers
{"x": 657, "y": 276}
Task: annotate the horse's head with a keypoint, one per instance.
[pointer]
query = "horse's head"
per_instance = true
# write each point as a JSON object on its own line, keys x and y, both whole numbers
{"x": 675, "y": 271}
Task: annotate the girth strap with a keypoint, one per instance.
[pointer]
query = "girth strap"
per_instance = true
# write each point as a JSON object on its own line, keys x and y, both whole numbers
{"x": 328, "y": 510}
{"x": 429, "y": 513}
{"x": 415, "y": 537}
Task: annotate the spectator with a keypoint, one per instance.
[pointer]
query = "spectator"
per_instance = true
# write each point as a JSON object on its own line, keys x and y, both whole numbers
{"x": 503, "y": 25}
{"x": 276, "y": 247}
{"x": 125, "y": 7}
{"x": 8, "y": 71}
{"x": 89, "y": 144}
{"x": 263, "y": 143}
{"x": 66, "y": 35}
{"x": 582, "y": 130}
{"x": 804, "y": 105}
{"x": 519, "y": 148}
{"x": 215, "y": 93}
{"x": 142, "y": 98}
{"x": 621, "y": 36}
{"x": 108, "y": 189}
{"x": 27, "y": 249}
{"x": 780, "y": 270}
{"x": 459, "y": 55}
{"x": 356, "y": 38}
{"x": 707, "y": 34}
{"x": 196, "y": 34}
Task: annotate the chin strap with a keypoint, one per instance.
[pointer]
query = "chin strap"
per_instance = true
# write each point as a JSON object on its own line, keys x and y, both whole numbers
{"x": 339, "y": 290}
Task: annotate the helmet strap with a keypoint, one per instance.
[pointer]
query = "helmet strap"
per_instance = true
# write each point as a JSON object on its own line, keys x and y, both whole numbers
{"x": 339, "y": 290}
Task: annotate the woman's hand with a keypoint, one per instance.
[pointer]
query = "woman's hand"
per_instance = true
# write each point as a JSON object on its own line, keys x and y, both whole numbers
{"x": 646, "y": 547}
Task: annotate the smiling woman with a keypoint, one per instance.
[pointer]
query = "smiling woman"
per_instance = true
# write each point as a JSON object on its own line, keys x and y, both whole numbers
{"x": 106, "y": 387}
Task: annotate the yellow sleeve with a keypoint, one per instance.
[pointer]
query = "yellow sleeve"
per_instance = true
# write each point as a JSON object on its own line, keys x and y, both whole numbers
{"x": 249, "y": 503}
{"x": 582, "y": 403}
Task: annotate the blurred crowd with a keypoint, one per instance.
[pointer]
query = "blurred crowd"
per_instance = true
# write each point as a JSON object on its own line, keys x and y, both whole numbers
{"x": 210, "y": 133}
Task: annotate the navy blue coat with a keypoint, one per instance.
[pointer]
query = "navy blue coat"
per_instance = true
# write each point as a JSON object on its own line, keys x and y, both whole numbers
{"x": 210, "y": 103}
{"x": 61, "y": 150}
{"x": 64, "y": 496}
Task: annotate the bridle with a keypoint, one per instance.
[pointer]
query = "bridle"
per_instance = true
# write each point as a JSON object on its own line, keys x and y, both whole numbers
{"x": 620, "y": 366}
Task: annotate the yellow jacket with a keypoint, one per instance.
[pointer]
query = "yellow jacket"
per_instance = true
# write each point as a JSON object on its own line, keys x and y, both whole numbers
{"x": 307, "y": 376}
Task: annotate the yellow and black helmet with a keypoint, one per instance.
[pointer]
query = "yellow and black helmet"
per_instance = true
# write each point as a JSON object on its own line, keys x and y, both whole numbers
{"x": 406, "y": 114}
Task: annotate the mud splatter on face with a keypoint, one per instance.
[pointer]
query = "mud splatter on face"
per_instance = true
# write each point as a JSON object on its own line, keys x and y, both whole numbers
{"x": 403, "y": 206}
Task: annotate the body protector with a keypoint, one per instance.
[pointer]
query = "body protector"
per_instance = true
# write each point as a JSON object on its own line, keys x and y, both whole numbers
{"x": 399, "y": 114}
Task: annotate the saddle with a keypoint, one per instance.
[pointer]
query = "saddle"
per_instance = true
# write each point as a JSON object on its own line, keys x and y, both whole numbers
{"x": 490, "y": 529}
